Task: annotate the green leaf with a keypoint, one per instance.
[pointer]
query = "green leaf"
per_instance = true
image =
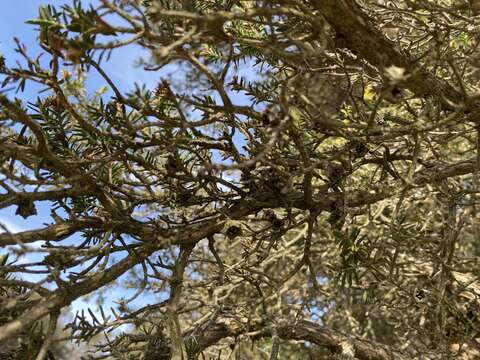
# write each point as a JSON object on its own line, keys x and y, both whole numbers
{"x": 49, "y": 24}
{"x": 296, "y": 115}
{"x": 369, "y": 93}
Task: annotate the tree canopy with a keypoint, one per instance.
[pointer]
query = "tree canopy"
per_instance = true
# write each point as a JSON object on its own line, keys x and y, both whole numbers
{"x": 302, "y": 183}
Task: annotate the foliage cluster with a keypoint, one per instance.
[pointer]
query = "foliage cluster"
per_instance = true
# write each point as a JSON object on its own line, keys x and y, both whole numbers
{"x": 305, "y": 186}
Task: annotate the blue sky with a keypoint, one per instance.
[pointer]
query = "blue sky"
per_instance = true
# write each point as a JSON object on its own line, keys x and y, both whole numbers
{"x": 120, "y": 68}
{"x": 14, "y": 15}
{"x": 122, "y": 72}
